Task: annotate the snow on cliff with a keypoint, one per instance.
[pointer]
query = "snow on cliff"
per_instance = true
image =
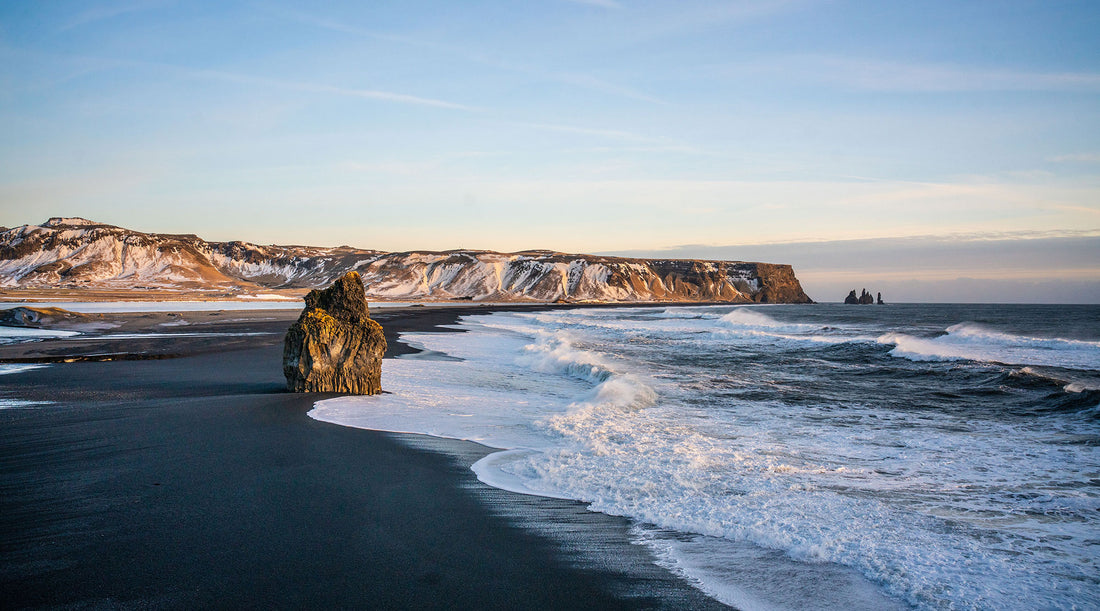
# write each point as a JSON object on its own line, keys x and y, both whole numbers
{"x": 75, "y": 252}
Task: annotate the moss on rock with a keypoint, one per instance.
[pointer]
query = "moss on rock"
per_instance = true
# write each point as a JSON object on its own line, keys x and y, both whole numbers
{"x": 335, "y": 346}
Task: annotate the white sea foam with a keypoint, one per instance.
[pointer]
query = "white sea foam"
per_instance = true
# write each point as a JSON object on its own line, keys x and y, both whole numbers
{"x": 745, "y": 317}
{"x": 690, "y": 313}
{"x": 555, "y": 353}
{"x": 750, "y": 324}
{"x": 20, "y": 403}
{"x": 245, "y": 304}
{"x": 496, "y": 471}
{"x": 609, "y": 408}
{"x": 967, "y": 341}
{"x": 10, "y": 368}
{"x": 103, "y": 307}
{"x": 268, "y": 297}
{"x": 155, "y": 335}
{"x": 769, "y": 580}
{"x": 14, "y": 335}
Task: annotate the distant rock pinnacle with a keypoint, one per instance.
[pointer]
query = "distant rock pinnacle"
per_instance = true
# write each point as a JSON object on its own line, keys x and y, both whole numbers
{"x": 863, "y": 298}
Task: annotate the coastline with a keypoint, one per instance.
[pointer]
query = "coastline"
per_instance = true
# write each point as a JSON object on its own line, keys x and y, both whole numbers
{"x": 194, "y": 479}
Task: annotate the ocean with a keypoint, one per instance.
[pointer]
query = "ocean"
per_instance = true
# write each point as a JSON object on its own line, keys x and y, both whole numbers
{"x": 792, "y": 457}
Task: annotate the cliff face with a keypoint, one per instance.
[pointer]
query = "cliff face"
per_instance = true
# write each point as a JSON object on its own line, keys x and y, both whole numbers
{"x": 550, "y": 276}
{"x": 74, "y": 252}
{"x": 80, "y": 253}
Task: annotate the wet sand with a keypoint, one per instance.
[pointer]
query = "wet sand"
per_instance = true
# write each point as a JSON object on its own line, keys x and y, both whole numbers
{"x": 176, "y": 472}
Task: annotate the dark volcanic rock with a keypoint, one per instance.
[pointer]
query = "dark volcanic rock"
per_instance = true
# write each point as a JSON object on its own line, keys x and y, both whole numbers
{"x": 24, "y": 316}
{"x": 864, "y": 298}
{"x": 335, "y": 346}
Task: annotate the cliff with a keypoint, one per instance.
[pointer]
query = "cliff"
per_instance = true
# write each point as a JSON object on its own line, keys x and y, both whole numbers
{"x": 74, "y": 253}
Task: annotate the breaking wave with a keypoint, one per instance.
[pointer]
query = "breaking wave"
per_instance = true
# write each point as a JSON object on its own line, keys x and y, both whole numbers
{"x": 968, "y": 341}
{"x": 735, "y": 433}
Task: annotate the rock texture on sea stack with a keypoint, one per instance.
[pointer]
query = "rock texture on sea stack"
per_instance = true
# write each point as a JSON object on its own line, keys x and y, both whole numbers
{"x": 335, "y": 346}
{"x": 864, "y": 298}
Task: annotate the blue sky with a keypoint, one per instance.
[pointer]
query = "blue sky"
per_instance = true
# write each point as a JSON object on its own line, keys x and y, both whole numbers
{"x": 582, "y": 126}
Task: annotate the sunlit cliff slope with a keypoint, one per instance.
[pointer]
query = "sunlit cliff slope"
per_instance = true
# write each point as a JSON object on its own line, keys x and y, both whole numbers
{"x": 78, "y": 253}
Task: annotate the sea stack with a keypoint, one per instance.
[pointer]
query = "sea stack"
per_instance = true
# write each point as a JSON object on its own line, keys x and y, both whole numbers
{"x": 863, "y": 298}
{"x": 335, "y": 346}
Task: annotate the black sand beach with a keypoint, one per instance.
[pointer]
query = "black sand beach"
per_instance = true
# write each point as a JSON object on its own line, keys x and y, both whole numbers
{"x": 196, "y": 481}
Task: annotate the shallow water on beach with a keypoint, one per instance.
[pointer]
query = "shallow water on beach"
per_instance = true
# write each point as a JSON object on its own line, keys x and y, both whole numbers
{"x": 944, "y": 456}
{"x": 19, "y": 335}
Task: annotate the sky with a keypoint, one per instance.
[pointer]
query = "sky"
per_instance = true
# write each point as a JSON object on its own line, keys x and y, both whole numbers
{"x": 949, "y": 147}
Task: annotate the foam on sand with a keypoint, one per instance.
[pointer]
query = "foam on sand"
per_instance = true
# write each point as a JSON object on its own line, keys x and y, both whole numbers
{"x": 15, "y": 335}
{"x": 10, "y": 368}
{"x": 115, "y": 307}
{"x": 269, "y": 297}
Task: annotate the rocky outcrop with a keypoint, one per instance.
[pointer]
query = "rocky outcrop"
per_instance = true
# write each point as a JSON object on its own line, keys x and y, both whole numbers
{"x": 24, "y": 316}
{"x": 77, "y": 253}
{"x": 335, "y": 346}
{"x": 864, "y": 298}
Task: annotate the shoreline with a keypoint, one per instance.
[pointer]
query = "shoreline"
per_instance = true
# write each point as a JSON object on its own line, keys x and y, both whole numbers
{"x": 198, "y": 481}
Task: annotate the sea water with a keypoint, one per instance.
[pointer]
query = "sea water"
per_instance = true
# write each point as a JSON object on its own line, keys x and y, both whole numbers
{"x": 819, "y": 456}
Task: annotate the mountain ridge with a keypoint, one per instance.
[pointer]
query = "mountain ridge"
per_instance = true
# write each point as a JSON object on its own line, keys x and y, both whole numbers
{"x": 73, "y": 252}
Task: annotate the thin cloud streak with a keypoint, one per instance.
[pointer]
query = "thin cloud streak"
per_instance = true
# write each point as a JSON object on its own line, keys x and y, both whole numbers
{"x": 974, "y": 236}
{"x": 672, "y": 148}
{"x": 337, "y": 26}
{"x": 389, "y": 96}
{"x": 1077, "y": 158}
{"x": 606, "y": 133}
{"x": 600, "y": 3}
{"x": 97, "y": 63}
{"x": 889, "y": 76}
{"x": 590, "y": 82}
{"x": 583, "y": 81}
{"x": 95, "y": 14}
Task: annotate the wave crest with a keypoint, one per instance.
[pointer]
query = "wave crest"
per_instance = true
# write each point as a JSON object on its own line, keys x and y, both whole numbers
{"x": 970, "y": 341}
{"x": 555, "y": 353}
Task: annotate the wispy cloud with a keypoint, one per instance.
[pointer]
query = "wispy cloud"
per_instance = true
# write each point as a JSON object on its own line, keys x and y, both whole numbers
{"x": 583, "y": 81}
{"x": 99, "y": 13}
{"x": 590, "y": 82}
{"x": 389, "y": 96}
{"x": 898, "y": 76}
{"x": 1077, "y": 158}
{"x": 372, "y": 94}
{"x": 670, "y": 148}
{"x": 96, "y": 63}
{"x": 689, "y": 19}
{"x": 600, "y": 3}
{"x": 590, "y": 131}
{"x": 340, "y": 26}
{"x": 392, "y": 168}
